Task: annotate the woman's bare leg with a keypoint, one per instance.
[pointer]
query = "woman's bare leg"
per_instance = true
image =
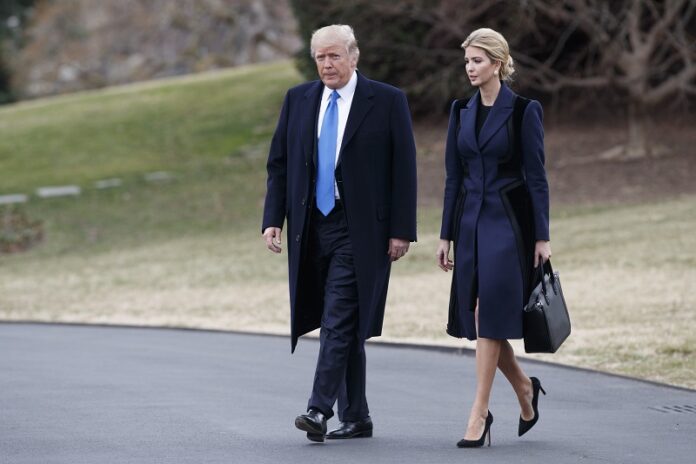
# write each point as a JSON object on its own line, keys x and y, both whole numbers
{"x": 487, "y": 356}
{"x": 511, "y": 369}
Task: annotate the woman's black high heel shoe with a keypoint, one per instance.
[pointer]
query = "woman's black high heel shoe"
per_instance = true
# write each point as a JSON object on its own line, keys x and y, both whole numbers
{"x": 464, "y": 443}
{"x": 525, "y": 426}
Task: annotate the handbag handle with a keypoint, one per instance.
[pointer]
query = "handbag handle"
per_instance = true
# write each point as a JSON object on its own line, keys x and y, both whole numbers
{"x": 544, "y": 266}
{"x": 542, "y": 269}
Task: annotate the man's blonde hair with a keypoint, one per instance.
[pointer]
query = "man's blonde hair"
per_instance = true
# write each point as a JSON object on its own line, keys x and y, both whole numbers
{"x": 336, "y": 34}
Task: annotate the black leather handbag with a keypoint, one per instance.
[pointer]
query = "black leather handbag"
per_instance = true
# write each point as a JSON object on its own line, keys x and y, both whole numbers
{"x": 546, "y": 322}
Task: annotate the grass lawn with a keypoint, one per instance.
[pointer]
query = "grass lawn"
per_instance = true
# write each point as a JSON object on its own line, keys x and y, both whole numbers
{"x": 209, "y": 130}
{"x": 188, "y": 252}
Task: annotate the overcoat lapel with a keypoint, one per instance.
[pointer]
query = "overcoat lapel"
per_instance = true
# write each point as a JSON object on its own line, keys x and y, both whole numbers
{"x": 501, "y": 111}
{"x": 467, "y": 121}
{"x": 361, "y": 105}
{"x": 309, "y": 121}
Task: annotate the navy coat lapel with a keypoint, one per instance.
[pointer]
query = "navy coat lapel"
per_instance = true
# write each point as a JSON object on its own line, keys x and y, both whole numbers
{"x": 361, "y": 105}
{"x": 501, "y": 111}
{"x": 312, "y": 98}
{"x": 467, "y": 122}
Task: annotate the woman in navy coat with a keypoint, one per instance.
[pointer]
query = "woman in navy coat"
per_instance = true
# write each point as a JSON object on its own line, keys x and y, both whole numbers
{"x": 496, "y": 212}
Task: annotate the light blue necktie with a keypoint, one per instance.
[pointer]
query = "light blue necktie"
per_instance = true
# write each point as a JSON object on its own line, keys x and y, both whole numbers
{"x": 326, "y": 198}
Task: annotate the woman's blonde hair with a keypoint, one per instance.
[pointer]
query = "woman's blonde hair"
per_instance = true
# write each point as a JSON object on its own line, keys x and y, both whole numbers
{"x": 495, "y": 46}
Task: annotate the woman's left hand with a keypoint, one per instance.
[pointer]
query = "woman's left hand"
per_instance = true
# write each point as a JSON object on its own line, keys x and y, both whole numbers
{"x": 542, "y": 251}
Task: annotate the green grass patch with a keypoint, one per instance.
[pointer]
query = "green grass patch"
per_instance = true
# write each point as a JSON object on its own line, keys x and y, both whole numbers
{"x": 178, "y": 124}
{"x": 211, "y": 131}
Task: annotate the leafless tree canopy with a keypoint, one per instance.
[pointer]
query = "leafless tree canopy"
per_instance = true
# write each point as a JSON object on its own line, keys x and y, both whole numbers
{"x": 644, "y": 48}
{"x": 642, "y": 52}
{"x": 413, "y": 44}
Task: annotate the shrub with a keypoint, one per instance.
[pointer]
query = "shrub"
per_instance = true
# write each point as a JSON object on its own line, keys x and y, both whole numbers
{"x": 18, "y": 232}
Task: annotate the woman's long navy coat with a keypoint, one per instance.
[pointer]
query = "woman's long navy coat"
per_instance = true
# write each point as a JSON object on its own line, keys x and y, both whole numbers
{"x": 481, "y": 214}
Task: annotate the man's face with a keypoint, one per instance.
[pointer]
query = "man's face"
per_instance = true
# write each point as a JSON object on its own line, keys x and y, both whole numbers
{"x": 334, "y": 65}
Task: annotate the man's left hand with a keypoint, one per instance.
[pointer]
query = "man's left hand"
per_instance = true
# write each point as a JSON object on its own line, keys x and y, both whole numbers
{"x": 397, "y": 248}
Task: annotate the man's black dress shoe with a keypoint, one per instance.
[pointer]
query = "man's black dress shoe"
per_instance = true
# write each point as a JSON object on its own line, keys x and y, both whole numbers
{"x": 314, "y": 423}
{"x": 359, "y": 429}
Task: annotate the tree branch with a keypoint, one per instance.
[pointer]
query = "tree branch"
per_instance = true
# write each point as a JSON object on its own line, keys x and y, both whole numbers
{"x": 672, "y": 8}
{"x": 671, "y": 86}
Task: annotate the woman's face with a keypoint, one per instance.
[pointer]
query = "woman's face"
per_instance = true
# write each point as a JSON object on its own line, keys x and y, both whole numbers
{"x": 479, "y": 67}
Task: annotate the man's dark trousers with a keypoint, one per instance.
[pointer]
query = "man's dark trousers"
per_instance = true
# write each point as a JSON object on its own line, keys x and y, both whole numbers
{"x": 340, "y": 372}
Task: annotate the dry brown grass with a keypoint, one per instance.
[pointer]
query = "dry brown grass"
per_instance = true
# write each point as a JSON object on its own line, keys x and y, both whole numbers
{"x": 628, "y": 275}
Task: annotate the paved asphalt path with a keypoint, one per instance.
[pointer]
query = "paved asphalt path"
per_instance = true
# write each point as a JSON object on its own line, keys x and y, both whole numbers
{"x": 78, "y": 394}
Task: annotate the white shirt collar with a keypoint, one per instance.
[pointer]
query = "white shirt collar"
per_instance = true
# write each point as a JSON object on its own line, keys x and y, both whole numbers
{"x": 346, "y": 92}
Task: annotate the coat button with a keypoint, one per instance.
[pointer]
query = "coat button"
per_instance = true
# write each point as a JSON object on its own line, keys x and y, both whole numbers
{"x": 297, "y": 239}
{"x": 303, "y": 202}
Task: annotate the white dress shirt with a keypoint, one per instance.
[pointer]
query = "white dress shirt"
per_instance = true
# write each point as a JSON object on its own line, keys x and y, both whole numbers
{"x": 343, "y": 106}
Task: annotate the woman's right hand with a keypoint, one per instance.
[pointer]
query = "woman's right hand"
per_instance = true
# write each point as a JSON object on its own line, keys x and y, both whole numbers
{"x": 442, "y": 254}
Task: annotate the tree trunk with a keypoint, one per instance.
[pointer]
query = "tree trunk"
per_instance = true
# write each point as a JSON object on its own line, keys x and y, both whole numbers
{"x": 638, "y": 144}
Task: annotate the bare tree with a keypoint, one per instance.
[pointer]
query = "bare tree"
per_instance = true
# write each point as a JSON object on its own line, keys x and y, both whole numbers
{"x": 645, "y": 49}
{"x": 413, "y": 44}
{"x": 635, "y": 53}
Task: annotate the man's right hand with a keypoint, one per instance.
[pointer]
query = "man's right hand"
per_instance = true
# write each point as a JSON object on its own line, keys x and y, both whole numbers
{"x": 272, "y": 237}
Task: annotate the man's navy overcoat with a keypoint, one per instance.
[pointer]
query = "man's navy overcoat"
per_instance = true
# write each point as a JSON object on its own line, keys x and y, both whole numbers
{"x": 376, "y": 170}
{"x": 482, "y": 214}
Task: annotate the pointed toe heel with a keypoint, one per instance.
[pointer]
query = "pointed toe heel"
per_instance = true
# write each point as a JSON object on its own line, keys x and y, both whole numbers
{"x": 525, "y": 426}
{"x": 464, "y": 443}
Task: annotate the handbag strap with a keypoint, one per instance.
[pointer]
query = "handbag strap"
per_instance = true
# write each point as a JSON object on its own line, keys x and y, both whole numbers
{"x": 549, "y": 269}
{"x": 541, "y": 270}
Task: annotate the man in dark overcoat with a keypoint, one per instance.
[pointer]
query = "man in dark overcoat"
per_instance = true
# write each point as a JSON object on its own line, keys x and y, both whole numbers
{"x": 342, "y": 171}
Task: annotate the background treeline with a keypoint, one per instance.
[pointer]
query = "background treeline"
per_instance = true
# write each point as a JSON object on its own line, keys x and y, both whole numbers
{"x": 629, "y": 57}
{"x": 625, "y": 58}
{"x": 626, "y": 49}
